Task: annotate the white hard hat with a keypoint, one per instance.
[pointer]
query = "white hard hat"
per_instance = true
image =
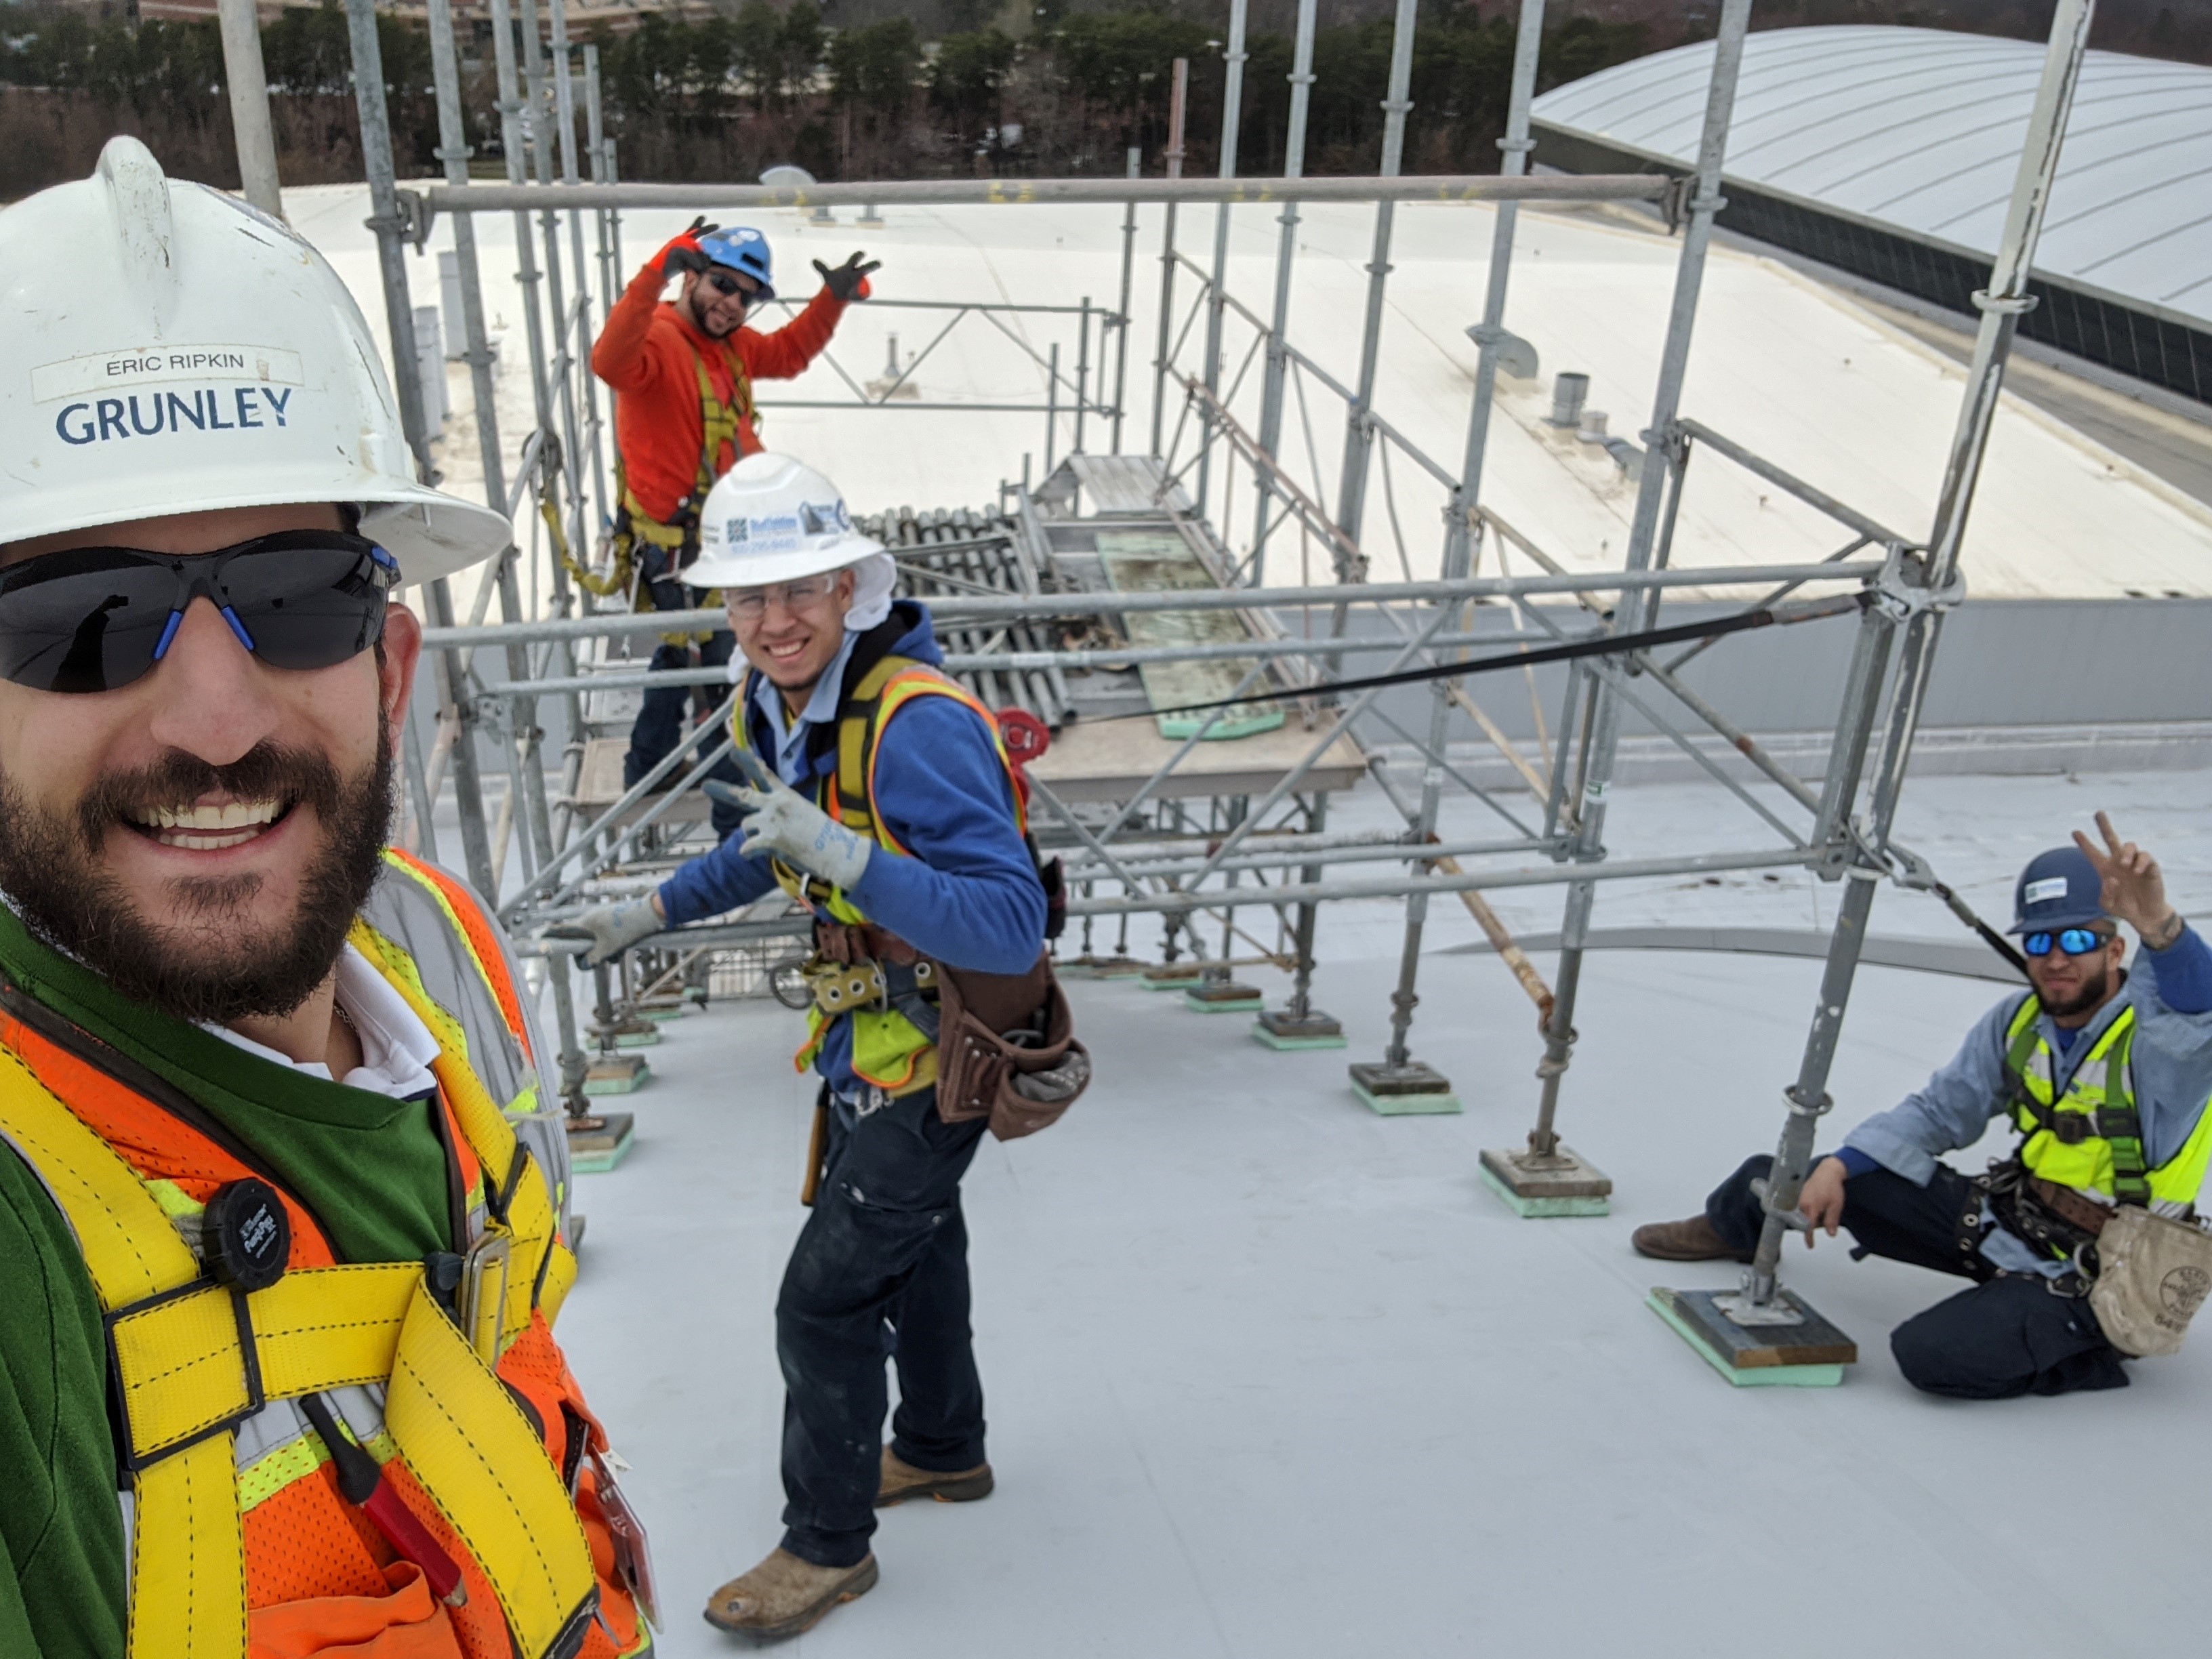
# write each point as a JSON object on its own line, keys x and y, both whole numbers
{"x": 770, "y": 518}
{"x": 182, "y": 352}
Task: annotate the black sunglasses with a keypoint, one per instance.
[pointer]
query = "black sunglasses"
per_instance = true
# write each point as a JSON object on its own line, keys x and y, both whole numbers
{"x": 97, "y": 618}
{"x": 726, "y": 282}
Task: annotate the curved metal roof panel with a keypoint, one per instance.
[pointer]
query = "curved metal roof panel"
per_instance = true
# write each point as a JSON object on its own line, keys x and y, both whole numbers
{"x": 1921, "y": 130}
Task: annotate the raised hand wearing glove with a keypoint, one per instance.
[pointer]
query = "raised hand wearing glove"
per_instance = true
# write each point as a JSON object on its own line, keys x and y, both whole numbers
{"x": 611, "y": 929}
{"x": 848, "y": 282}
{"x": 683, "y": 253}
{"x": 780, "y": 821}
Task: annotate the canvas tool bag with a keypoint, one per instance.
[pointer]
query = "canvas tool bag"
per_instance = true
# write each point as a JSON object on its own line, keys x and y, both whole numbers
{"x": 2153, "y": 1274}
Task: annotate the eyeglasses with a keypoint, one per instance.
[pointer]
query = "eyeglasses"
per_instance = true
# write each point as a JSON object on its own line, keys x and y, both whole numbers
{"x": 2074, "y": 941}
{"x": 728, "y": 282}
{"x": 751, "y": 602}
{"x": 99, "y": 619}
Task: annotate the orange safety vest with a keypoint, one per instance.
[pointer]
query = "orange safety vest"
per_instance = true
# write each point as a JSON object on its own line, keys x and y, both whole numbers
{"x": 508, "y": 1476}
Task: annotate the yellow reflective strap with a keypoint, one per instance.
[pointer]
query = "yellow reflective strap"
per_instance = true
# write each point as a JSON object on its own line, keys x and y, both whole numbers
{"x": 485, "y": 1467}
{"x": 490, "y": 1133}
{"x": 530, "y": 1223}
{"x": 184, "y": 1368}
{"x": 107, "y": 1204}
{"x": 560, "y": 1279}
{"x": 188, "y": 1554}
{"x": 188, "y": 1557}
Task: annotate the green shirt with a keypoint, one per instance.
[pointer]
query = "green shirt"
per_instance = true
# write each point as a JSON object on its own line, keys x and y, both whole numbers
{"x": 372, "y": 1170}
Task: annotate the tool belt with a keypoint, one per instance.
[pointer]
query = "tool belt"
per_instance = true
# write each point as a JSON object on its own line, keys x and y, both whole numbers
{"x": 1007, "y": 1049}
{"x": 2054, "y": 1219}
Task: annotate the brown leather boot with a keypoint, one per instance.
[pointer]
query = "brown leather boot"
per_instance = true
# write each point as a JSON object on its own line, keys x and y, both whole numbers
{"x": 901, "y": 1480}
{"x": 1693, "y": 1240}
{"x": 785, "y": 1595}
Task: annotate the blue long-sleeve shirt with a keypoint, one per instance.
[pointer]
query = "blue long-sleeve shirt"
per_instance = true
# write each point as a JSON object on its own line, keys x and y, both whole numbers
{"x": 965, "y": 893}
{"x": 2171, "y": 1060}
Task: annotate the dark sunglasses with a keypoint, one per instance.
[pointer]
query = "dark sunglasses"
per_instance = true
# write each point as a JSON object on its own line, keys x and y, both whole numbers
{"x": 97, "y": 618}
{"x": 2074, "y": 941}
{"x": 728, "y": 282}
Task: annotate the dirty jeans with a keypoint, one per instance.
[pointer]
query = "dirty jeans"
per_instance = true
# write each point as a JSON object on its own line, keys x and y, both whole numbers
{"x": 880, "y": 1271}
{"x": 2006, "y": 1336}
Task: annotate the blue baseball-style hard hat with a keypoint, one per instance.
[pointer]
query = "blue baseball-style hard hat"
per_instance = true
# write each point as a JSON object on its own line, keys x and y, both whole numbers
{"x": 2058, "y": 889}
{"x": 742, "y": 248}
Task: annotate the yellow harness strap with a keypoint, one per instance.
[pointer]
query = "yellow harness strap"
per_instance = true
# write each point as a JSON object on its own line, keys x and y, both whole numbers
{"x": 193, "y": 1359}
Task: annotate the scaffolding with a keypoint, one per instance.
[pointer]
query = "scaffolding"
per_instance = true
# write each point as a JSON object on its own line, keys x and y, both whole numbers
{"x": 1033, "y": 618}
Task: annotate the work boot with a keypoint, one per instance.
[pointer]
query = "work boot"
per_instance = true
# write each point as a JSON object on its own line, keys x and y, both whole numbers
{"x": 1694, "y": 1240}
{"x": 901, "y": 1480}
{"x": 785, "y": 1595}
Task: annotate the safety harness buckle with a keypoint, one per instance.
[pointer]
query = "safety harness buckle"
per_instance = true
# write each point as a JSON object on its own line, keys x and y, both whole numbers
{"x": 141, "y": 1358}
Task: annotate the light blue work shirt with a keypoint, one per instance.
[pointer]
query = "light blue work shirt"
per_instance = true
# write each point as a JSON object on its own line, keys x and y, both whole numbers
{"x": 821, "y": 710}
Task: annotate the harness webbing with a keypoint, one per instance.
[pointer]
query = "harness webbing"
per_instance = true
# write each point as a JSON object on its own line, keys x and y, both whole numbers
{"x": 2116, "y": 1122}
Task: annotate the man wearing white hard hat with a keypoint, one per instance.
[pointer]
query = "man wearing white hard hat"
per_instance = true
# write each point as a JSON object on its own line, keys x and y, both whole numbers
{"x": 280, "y": 1214}
{"x": 885, "y": 800}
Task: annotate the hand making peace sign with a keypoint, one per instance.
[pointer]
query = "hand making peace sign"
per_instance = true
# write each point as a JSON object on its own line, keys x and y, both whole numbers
{"x": 2134, "y": 885}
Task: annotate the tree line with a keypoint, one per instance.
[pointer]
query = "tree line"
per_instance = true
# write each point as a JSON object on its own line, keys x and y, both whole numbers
{"x": 724, "y": 96}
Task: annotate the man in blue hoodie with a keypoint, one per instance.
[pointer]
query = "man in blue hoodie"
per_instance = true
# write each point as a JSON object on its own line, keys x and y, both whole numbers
{"x": 2103, "y": 1074}
{"x": 920, "y": 859}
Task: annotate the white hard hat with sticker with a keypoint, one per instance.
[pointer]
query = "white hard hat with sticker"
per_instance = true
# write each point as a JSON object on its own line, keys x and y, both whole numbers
{"x": 770, "y": 518}
{"x": 172, "y": 350}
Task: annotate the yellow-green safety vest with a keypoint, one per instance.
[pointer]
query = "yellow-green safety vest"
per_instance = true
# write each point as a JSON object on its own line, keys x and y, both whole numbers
{"x": 2090, "y": 1137}
{"x": 888, "y": 1050}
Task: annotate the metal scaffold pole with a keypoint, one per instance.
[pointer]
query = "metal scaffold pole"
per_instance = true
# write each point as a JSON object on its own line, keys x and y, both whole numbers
{"x": 248, "y": 84}
{"x": 1232, "y": 121}
{"x": 1178, "y": 90}
{"x": 1402, "y": 1083}
{"x": 2001, "y": 304}
{"x": 1287, "y": 254}
{"x": 1603, "y": 730}
{"x": 564, "y": 89}
{"x": 1358, "y": 437}
{"x": 1136, "y": 159}
{"x": 456, "y": 706}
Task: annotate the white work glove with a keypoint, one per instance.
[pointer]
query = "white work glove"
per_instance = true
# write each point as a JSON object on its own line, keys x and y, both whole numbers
{"x": 782, "y": 823}
{"x": 611, "y": 929}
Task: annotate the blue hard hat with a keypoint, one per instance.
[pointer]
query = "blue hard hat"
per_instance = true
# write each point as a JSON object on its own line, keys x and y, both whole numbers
{"x": 742, "y": 248}
{"x": 2058, "y": 889}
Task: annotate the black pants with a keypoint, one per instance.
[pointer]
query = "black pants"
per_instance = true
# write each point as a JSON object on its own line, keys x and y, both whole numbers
{"x": 880, "y": 1269}
{"x": 662, "y": 717}
{"x": 2007, "y": 1335}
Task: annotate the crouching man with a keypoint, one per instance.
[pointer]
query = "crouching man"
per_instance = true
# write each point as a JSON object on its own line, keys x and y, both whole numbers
{"x": 2104, "y": 1074}
{"x": 279, "y": 1218}
{"x": 886, "y": 802}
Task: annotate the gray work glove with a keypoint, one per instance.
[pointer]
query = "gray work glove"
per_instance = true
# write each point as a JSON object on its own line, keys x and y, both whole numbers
{"x": 611, "y": 929}
{"x": 782, "y": 822}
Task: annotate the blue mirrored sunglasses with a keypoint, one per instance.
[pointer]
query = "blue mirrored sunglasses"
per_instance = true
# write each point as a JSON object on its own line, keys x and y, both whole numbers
{"x": 2074, "y": 941}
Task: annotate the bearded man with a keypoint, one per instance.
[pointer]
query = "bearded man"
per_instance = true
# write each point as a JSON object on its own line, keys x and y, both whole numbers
{"x": 279, "y": 1214}
{"x": 2104, "y": 1074}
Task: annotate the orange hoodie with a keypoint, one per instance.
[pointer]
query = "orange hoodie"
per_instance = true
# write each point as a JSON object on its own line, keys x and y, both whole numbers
{"x": 645, "y": 352}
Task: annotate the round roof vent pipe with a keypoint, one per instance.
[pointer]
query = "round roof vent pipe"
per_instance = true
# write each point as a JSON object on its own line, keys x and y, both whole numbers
{"x": 1568, "y": 392}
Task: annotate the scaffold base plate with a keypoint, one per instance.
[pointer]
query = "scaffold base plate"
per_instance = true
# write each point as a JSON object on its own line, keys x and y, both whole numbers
{"x": 1812, "y": 1355}
{"x": 595, "y": 1150}
{"x": 1534, "y": 1207}
{"x": 617, "y": 1075}
{"x": 1223, "y": 997}
{"x": 644, "y": 1039}
{"x": 1408, "y": 1092}
{"x": 1168, "y": 978}
{"x": 1280, "y": 1029}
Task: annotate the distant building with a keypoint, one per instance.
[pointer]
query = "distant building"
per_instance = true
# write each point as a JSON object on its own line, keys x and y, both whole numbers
{"x": 1890, "y": 153}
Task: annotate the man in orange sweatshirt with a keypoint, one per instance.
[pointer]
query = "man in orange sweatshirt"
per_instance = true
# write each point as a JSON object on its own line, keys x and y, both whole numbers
{"x": 682, "y": 371}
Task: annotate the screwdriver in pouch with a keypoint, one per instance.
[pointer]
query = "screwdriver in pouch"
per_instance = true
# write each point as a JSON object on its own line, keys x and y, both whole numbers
{"x": 363, "y": 1485}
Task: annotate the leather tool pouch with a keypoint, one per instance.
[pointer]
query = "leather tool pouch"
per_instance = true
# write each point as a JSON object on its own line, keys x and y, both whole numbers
{"x": 1007, "y": 1049}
